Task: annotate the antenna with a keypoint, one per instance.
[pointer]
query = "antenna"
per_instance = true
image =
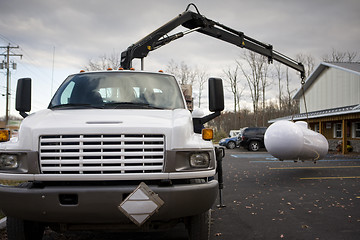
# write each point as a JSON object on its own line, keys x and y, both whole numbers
{"x": 52, "y": 72}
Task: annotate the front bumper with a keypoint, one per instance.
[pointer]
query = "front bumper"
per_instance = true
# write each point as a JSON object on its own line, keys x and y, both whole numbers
{"x": 99, "y": 204}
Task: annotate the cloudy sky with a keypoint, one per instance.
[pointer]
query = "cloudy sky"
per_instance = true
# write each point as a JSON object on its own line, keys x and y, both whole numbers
{"x": 69, "y": 33}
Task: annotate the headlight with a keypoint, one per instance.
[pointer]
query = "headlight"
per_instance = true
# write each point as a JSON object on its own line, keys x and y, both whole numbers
{"x": 8, "y": 161}
{"x": 199, "y": 160}
{"x": 222, "y": 140}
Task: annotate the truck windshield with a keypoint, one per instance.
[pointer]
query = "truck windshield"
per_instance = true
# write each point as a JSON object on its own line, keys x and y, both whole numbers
{"x": 118, "y": 90}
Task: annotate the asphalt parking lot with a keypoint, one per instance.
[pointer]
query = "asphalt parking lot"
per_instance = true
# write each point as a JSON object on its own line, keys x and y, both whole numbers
{"x": 269, "y": 199}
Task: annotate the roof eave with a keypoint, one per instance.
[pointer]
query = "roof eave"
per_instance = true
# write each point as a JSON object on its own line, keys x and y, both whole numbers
{"x": 321, "y": 115}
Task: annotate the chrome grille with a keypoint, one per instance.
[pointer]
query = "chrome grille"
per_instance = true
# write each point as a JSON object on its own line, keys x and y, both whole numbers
{"x": 102, "y": 154}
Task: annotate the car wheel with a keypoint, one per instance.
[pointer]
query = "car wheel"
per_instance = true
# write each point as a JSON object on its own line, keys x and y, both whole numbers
{"x": 231, "y": 145}
{"x": 254, "y": 146}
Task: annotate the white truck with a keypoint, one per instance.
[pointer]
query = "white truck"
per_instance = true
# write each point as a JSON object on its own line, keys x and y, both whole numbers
{"x": 120, "y": 149}
{"x": 114, "y": 149}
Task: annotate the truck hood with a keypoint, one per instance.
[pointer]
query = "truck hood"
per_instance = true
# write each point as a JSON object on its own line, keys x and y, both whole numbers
{"x": 176, "y": 125}
{"x": 77, "y": 119}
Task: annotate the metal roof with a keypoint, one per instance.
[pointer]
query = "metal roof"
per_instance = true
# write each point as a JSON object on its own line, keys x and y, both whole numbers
{"x": 353, "y": 67}
{"x": 321, "y": 113}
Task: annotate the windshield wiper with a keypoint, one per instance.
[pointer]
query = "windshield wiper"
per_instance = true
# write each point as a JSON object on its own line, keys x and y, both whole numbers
{"x": 127, "y": 105}
{"x": 76, "y": 105}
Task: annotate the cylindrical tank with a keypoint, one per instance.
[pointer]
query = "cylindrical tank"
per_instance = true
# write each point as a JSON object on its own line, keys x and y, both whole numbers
{"x": 287, "y": 140}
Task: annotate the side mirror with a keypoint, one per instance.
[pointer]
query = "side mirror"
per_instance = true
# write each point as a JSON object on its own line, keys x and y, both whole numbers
{"x": 216, "y": 103}
{"x": 23, "y": 96}
{"x": 216, "y": 95}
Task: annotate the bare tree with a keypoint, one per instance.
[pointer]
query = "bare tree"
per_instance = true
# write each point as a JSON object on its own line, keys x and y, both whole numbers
{"x": 279, "y": 76}
{"x": 186, "y": 75}
{"x": 288, "y": 100}
{"x": 201, "y": 77}
{"x": 337, "y": 56}
{"x": 172, "y": 67}
{"x": 104, "y": 62}
{"x": 182, "y": 72}
{"x": 308, "y": 61}
{"x": 264, "y": 84}
{"x": 232, "y": 78}
{"x": 254, "y": 78}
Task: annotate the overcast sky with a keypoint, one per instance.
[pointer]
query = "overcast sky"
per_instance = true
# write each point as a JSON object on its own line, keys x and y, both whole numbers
{"x": 80, "y": 30}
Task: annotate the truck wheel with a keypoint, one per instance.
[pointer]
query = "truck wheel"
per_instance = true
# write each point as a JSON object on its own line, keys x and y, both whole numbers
{"x": 254, "y": 146}
{"x": 231, "y": 145}
{"x": 18, "y": 229}
{"x": 199, "y": 226}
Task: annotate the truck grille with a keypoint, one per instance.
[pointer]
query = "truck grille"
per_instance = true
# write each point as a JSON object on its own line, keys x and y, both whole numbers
{"x": 102, "y": 154}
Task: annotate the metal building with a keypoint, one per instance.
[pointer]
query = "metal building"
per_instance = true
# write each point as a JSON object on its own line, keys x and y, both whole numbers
{"x": 332, "y": 100}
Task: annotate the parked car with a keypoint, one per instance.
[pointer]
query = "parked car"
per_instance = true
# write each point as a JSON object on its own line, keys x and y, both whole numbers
{"x": 230, "y": 142}
{"x": 252, "y": 138}
{"x": 234, "y": 133}
{"x": 233, "y": 140}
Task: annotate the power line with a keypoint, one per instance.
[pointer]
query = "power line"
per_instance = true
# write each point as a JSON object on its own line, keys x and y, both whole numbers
{"x": 7, "y": 39}
{"x": 29, "y": 59}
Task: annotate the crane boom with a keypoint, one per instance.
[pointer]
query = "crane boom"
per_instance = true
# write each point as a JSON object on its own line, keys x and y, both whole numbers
{"x": 197, "y": 22}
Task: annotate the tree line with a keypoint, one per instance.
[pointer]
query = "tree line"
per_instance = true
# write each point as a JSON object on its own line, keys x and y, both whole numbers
{"x": 249, "y": 76}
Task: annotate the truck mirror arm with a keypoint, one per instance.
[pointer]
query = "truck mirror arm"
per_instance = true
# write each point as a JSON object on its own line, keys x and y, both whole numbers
{"x": 198, "y": 122}
{"x": 23, "y": 114}
{"x": 206, "y": 119}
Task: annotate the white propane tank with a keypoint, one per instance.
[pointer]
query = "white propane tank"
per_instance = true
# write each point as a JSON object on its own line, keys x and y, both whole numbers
{"x": 287, "y": 140}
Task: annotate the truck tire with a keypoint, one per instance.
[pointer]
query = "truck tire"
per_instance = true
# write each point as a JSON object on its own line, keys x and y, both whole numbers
{"x": 199, "y": 226}
{"x": 18, "y": 229}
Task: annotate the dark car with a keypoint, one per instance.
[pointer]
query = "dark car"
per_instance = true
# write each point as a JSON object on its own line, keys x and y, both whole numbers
{"x": 252, "y": 138}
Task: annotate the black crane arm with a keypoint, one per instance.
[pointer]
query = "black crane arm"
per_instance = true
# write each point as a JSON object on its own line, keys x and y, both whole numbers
{"x": 196, "y": 22}
{"x": 154, "y": 40}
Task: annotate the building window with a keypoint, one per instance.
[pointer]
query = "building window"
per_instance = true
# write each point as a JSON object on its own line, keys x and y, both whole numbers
{"x": 316, "y": 127}
{"x": 356, "y": 130}
{"x": 337, "y": 130}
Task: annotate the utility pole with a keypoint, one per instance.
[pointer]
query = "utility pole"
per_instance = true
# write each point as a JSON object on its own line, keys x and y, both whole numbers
{"x": 7, "y": 66}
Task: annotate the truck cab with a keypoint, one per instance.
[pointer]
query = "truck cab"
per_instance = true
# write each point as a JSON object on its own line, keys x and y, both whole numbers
{"x": 113, "y": 148}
